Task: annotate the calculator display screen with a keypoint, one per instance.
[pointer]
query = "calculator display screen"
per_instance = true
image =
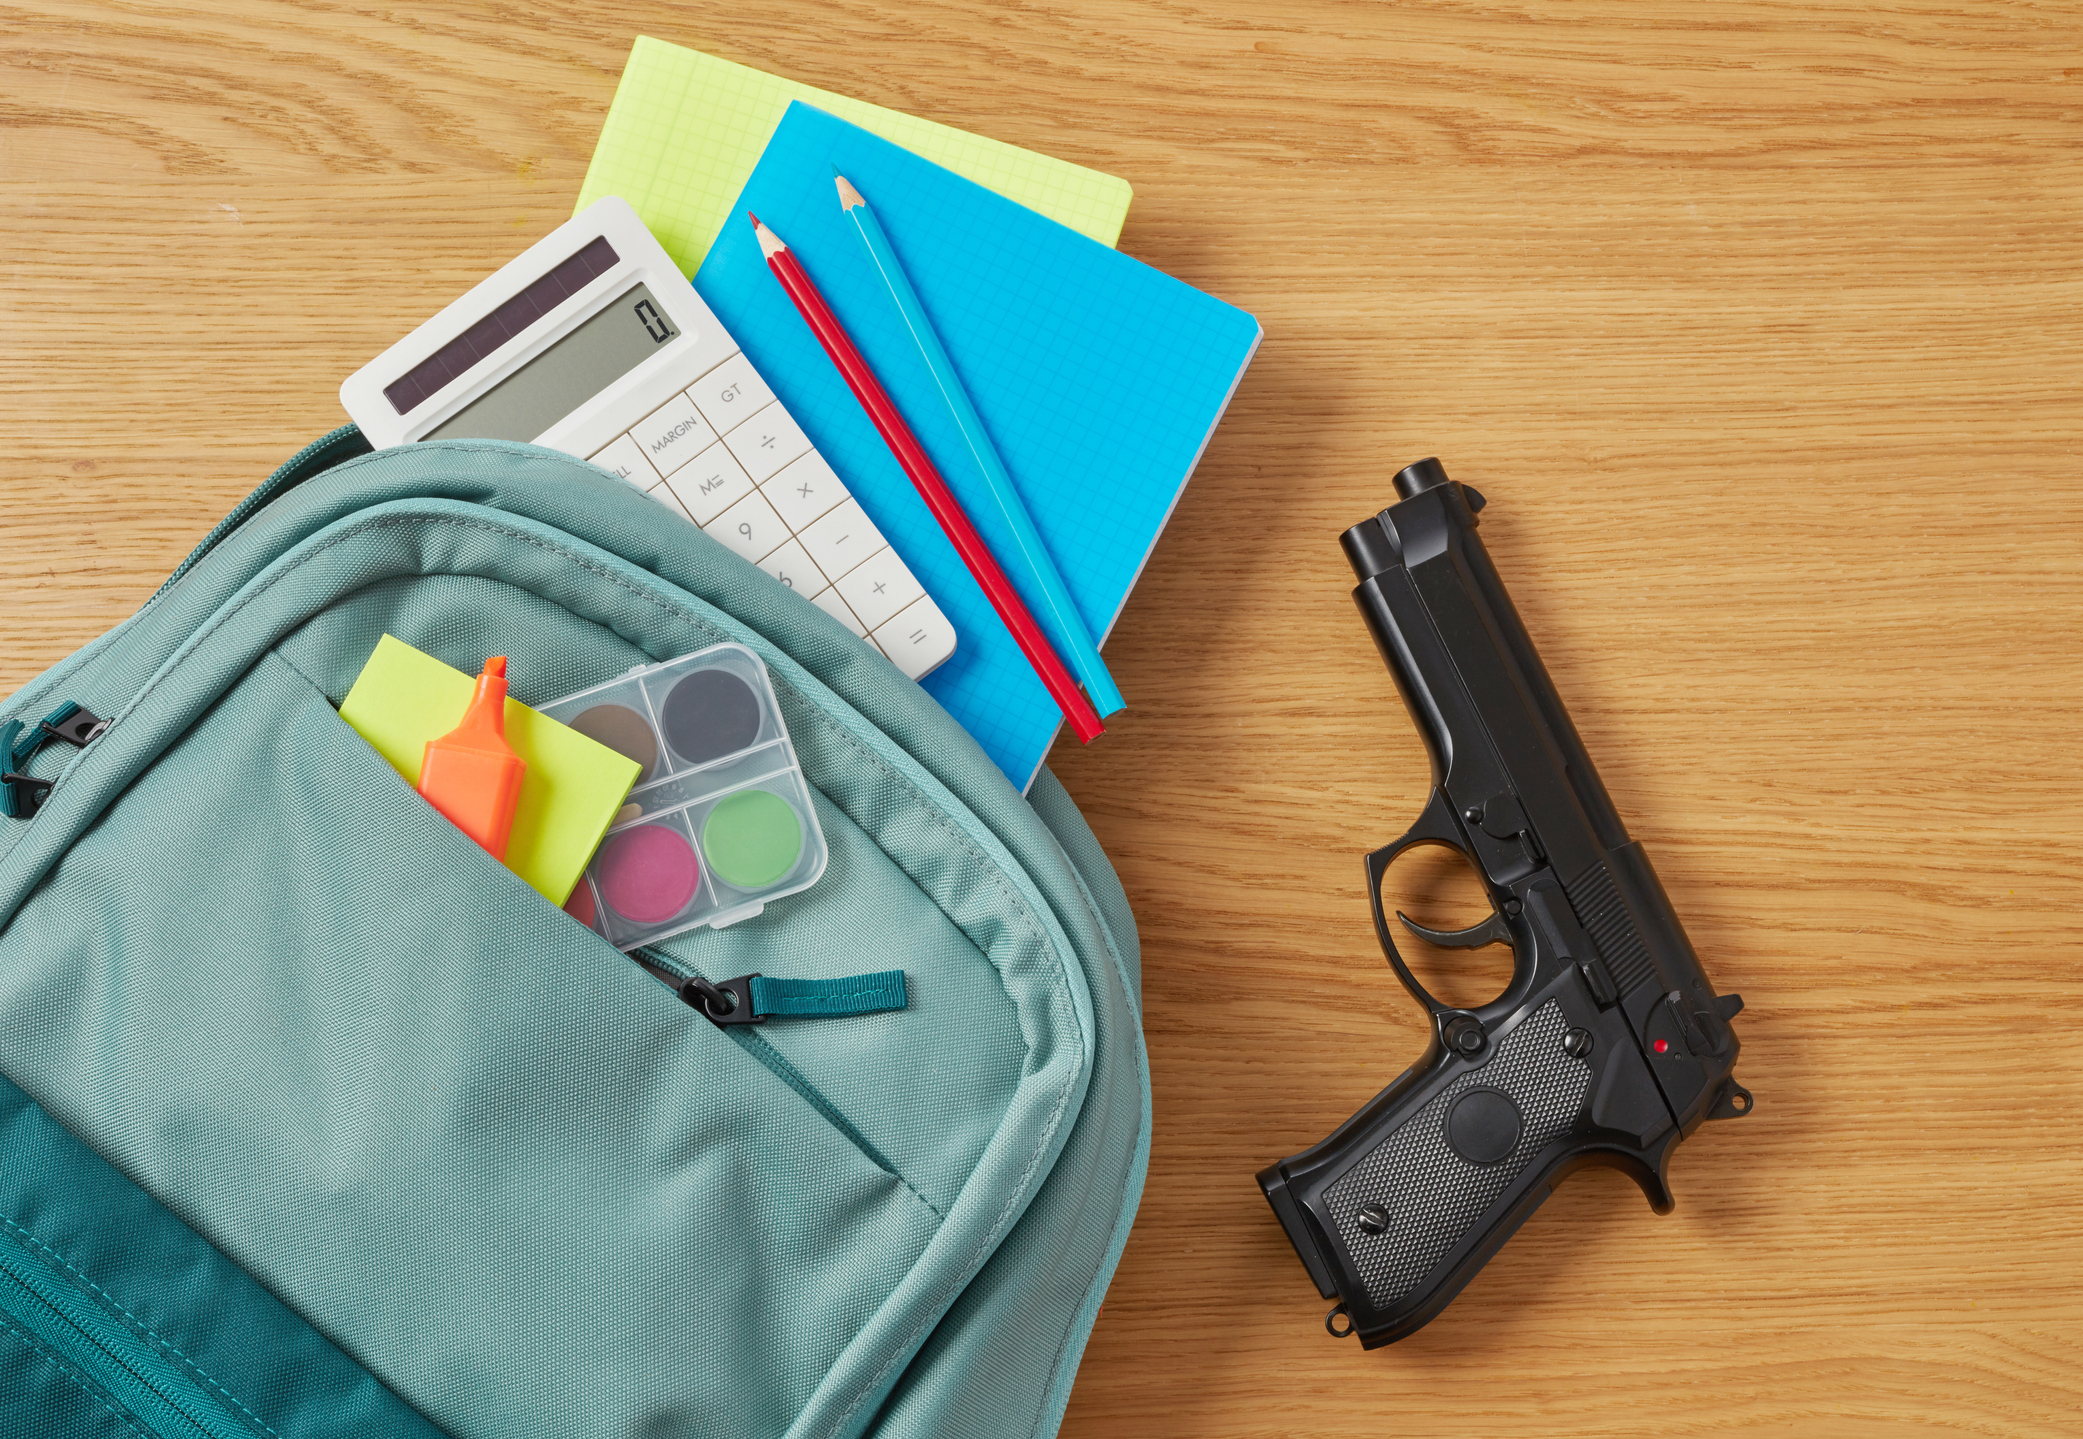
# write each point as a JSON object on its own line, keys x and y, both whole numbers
{"x": 483, "y": 339}
{"x": 618, "y": 338}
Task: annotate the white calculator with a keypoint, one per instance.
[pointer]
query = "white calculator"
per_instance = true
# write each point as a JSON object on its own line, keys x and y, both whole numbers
{"x": 593, "y": 343}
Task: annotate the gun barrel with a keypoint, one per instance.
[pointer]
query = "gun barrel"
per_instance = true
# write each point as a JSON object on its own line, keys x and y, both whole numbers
{"x": 1466, "y": 602}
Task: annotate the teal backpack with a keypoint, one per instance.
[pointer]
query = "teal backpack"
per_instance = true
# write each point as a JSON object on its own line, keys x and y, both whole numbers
{"x": 317, "y": 1121}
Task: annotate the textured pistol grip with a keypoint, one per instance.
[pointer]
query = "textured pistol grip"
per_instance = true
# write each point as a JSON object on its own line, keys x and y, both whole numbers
{"x": 1440, "y": 1184}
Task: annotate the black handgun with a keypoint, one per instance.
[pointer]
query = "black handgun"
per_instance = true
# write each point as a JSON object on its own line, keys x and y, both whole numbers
{"x": 1608, "y": 1046}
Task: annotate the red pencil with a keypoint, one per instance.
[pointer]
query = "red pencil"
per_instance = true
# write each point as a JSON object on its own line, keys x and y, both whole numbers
{"x": 1084, "y": 720}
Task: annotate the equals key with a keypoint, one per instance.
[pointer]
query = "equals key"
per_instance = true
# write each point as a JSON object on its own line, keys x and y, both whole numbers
{"x": 918, "y": 638}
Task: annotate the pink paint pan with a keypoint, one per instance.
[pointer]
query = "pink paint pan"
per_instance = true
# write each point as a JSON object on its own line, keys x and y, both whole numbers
{"x": 648, "y": 874}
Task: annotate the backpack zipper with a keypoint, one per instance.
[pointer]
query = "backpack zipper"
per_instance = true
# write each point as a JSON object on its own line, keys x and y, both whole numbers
{"x": 103, "y": 1356}
{"x": 332, "y": 448}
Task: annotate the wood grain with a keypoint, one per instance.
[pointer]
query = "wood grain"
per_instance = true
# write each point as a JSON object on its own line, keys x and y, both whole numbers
{"x": 1758, "y": 324}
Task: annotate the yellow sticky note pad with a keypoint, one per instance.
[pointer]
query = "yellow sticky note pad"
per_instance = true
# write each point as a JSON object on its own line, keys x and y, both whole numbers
{"x": 574, "y": 785}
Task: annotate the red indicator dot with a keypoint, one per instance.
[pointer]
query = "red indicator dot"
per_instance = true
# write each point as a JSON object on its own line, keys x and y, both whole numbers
{"x": 1662, "y": 1046}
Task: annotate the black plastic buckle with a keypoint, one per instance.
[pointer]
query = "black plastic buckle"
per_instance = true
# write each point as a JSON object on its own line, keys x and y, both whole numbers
{"x": 721, "y": 1003}
{"x": 24, "y": 795}
{"x": 78, "y": 729}
{"x": 21, "y": 795}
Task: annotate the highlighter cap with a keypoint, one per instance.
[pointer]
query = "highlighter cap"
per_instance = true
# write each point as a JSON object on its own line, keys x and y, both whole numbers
{"x": 471, "y": 774}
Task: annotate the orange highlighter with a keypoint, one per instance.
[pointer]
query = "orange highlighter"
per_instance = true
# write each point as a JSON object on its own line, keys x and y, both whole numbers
{"x": 471, "y": 774}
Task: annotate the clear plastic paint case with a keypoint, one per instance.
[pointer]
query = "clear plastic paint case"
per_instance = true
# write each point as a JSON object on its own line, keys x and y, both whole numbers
{"x": 719, "y": 822}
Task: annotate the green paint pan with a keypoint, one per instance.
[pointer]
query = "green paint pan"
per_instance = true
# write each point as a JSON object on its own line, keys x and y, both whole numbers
{"x": 752, "y": 839}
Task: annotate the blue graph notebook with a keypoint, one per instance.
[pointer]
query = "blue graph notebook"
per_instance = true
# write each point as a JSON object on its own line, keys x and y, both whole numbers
{"x": 1099, "y": 378}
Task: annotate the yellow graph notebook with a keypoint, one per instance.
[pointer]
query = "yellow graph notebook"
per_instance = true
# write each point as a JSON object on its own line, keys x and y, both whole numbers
{"x": 686, "y": 130}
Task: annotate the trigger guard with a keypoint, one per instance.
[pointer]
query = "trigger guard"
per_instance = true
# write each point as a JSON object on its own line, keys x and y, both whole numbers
{"x": 1436, "y": 824}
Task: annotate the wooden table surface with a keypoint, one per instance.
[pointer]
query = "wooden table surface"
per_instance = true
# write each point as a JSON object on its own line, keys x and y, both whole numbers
{"x": 1758, "y": 323}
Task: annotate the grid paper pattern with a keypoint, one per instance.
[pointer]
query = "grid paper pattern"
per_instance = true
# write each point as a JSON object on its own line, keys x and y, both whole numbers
{"x": 1098, "y": 378}
{"x": 686, "y": 129}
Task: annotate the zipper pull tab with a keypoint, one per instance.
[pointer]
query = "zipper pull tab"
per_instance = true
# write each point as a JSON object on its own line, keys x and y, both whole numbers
{"x": 755, "y": 998}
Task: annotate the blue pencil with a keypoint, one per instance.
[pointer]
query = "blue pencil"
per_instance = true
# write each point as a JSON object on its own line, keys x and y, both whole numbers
{"x": 1033, "y": 559}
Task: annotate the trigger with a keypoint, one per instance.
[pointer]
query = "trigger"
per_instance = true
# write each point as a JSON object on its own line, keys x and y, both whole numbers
{"x": 1490, "y": 931}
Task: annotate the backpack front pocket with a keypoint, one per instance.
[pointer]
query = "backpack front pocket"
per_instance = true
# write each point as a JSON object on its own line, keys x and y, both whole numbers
{"x": 487, "y": 1155}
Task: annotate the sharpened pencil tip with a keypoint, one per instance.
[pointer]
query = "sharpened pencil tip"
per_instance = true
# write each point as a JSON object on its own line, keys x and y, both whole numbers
{"x": 770, "y": 244}
{"x": 849, "y": 197}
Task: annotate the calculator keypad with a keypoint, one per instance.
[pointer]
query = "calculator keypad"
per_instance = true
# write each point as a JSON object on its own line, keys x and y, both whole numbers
{"x": 672, "y": 434}
{"x": 804, "y": 491}
{"x": 624, "y": 459}
{"x": 664, "y": 495}
{"x": 767, "y": 441}
{"x": 918, "y": 631}
{"x": 829, "y": 601}
{"x": 725, "y": 454}
{"x": 750, "y": 527}
{"x": 878, "y": 587}
{"x": 710, "y": 484}
{"x": 730, "y": 392}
